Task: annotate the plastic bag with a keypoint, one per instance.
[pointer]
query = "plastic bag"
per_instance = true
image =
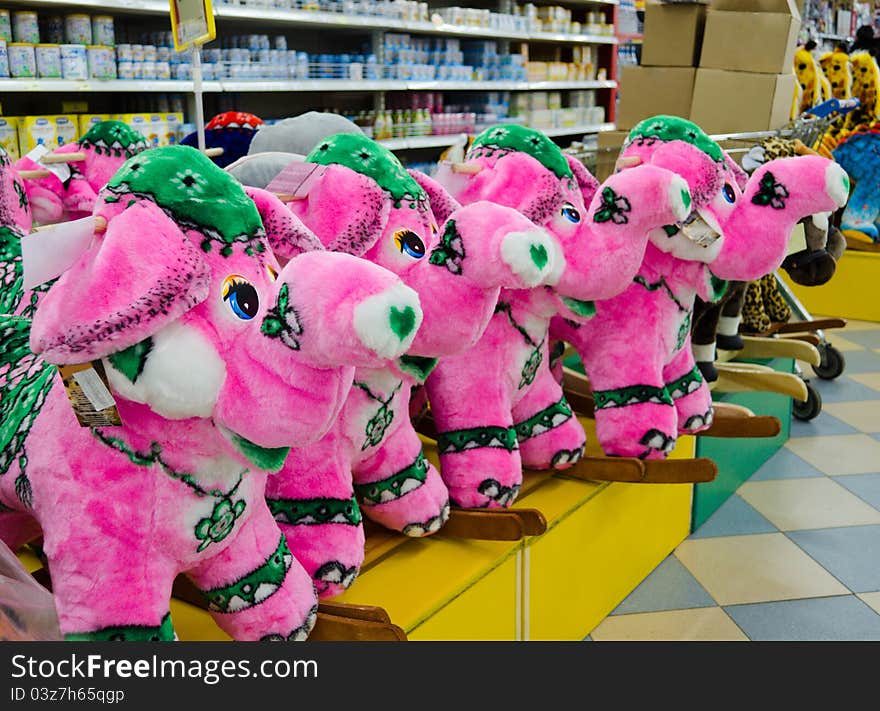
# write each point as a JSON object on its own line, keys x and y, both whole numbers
{"x": 27, "y": 609}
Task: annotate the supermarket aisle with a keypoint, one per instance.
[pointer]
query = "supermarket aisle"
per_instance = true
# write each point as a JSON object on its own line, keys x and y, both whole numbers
{"x": 795, "y": 553}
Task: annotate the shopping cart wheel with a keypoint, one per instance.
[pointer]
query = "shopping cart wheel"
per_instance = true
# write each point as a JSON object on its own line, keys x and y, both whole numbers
{"x": 833, "y": 363}
{"x": 810, "y": 408}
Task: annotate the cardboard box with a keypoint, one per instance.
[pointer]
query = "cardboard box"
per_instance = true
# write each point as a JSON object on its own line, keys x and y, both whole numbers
{"x": 751, "y": 36}
{"x": 648, "y": 91}
{"x": 610, "y": 143}
{"x": 66, "y": 128}
{"x": 673, "y": 34}
{"x": 735, "y": 102}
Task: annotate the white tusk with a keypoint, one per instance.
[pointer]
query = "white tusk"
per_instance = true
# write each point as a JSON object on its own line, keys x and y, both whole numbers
{"x": 33, "y": 174}
{"x": 820, "y": 219}
{"x": 212, "y": 152}
{"x": 469, "y": 168}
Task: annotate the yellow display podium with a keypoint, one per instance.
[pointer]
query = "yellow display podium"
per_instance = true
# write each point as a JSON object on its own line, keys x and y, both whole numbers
{"x": 602, "y": 540}
{"x": 850, "y": 293}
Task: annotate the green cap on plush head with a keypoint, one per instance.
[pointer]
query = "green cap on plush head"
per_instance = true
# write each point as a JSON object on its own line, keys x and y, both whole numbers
{"x": 674, "y": 128}
{"x": 365, "y": 156}
{"x": 114, "y": 138}
{"x": 194, "y": 192}
{"x": 525, "y": 140}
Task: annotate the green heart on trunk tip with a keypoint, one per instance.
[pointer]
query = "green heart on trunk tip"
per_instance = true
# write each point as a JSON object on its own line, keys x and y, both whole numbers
{"x": 402, "y": 321}
{"x": 538, "y": 253}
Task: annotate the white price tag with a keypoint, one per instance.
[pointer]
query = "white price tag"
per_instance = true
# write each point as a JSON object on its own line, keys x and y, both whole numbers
{"x": 61, "y": 170}
{"x": 94, "y": 389}
{"x": 50, "y": 252}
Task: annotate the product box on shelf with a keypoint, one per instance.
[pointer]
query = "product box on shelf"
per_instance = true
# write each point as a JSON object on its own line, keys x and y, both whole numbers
{"x": 9, "y": 136}
{"x": 173, "y": 122}
{"x": 86, "y": 121}
{"x": 751, "y": 35}
{"x": 673, "y": 34}
{"x": 734, "y": 102}
{"x": 51, "y": 131}
{"x": 646, "y": 91}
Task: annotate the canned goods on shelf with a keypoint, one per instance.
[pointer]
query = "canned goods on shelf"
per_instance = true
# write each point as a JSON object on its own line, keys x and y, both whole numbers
{"x": 54, "y": 29}
{"x": 137, "y": 53}
{"x": 74, "y": 64}
{"x": 103, "y": 32}
{"x": 5, "y": 26}
{"x": 78, "y": 29}
{"x": 22, "y": 60}
{"x": 4, "y": 60}
{"x": 25, "y": 28}
{"x": 48, "y": 61}
{"x": 125, "y": 69}
{"x": 101, "y": 62}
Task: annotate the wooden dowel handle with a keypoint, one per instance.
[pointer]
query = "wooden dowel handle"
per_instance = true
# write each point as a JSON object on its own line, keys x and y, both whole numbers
{"x": 62, "y": 158}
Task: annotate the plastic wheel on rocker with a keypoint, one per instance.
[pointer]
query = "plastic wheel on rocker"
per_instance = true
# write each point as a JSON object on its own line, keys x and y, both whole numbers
{"x": 810, "y": 408}
{"x": 833, "y": 363}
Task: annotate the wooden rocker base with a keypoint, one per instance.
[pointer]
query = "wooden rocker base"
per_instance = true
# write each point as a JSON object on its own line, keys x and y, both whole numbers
{"x": 494, "y": 524}
{"x": 737, "y": 421}
{"x": 819, "y": 324}
{"x": 746, "y": 377}
{"x": 643, "y": 471}
{"x": 754, "y": 347}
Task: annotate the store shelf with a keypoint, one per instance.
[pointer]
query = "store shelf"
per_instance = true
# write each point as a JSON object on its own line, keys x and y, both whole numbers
{"x": 414, "y": 142}
{"x": 325, "y": 20}
{"x": 584, "y": 128}
{"x": 98, "y": 85}
{"x": 580, "y": 39}
{"x": 139, "y": 7}
{"x": 271, "y": 85}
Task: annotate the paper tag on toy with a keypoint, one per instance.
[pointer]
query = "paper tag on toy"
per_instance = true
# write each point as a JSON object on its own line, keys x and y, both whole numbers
{"x": 51, "y": 251}
{"x": 61, "y": 170}
{"x": 89, "y": 394}
{"x": 296, "y": 180}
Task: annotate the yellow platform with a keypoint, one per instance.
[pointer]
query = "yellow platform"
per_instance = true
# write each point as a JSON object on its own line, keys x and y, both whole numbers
{"x": 602, "y": 540}
{"x": 850, "y": 293}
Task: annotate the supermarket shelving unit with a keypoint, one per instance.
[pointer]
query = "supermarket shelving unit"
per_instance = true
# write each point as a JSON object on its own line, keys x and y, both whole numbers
{"x": 242, "y": 19}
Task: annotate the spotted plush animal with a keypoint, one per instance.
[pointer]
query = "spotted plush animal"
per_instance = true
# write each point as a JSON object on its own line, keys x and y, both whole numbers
{"x": 814, "y": 87}
{"x": 836, "y": 68}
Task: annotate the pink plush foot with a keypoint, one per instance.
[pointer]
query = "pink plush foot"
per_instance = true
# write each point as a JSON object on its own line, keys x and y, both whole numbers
{"x": 272, "y": 597}
{"x": 327, "y": 538}
{"x": 689, "y": 392}
{"x": 398, "y": 488}
{"x": 313, "y": 502}
{"x": 645, "y": 430}
{"x": 551, "y": 439}
{"x": 549, "y": 435}
{"x": 481, "y": 467}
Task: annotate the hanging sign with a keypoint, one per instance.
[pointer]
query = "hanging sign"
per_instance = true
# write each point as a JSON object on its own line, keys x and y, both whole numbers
{"x": 192, "y": 22}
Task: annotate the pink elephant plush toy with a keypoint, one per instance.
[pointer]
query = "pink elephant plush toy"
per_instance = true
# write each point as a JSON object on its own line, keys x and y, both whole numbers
{"x": 106, "y": 145}
{"x": 636, "y": 350}
{"x": 371, "y": 462}
{"x": 497, "y": 406}
{"x": 218, "y": 361}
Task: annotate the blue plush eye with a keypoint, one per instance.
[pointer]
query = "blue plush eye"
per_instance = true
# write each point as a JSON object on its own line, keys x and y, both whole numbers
{"x": 570, "y": 213}
{"x": 729, "y": 193}
{"x": 241, "y": 296}
{"x": 409, "y": 242}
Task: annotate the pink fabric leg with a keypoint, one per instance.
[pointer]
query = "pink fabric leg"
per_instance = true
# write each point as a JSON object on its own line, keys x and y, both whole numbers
{"x": 398, "y": 488}
{"x": 693, "y": 400}
{"x": 479, "y": 456}
{"x": 549, "y": 435}
{"x": 312, "y": 500}
{"x": 255, "y": 588}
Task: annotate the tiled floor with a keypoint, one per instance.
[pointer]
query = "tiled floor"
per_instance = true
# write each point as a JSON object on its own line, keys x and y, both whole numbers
{"x": 795, "y": 553}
